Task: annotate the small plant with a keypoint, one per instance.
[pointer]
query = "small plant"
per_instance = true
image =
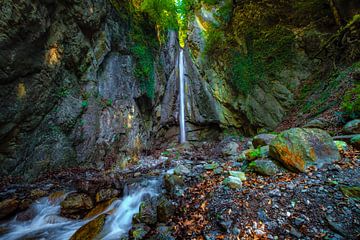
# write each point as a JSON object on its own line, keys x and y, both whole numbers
{"x": 84, "y": 104}
{"x": 351, "y": 102}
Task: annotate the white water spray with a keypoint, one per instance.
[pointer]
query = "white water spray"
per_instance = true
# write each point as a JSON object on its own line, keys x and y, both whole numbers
{"x": 48, "y": 224}
{"x": 182, "y": 97}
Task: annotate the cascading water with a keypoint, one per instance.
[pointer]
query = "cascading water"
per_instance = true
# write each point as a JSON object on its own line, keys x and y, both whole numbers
{"x": 182, "y": 97}
{"x": 48, "y": 224}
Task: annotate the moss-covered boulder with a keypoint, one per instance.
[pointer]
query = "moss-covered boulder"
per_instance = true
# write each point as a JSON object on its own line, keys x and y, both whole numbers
{"x": 298, "y": 148}
{"x": 76, "y": 205}
{"x": 265, "y": 167}
{"x": 352, "y": 126}
{"x": 90, "y": 230}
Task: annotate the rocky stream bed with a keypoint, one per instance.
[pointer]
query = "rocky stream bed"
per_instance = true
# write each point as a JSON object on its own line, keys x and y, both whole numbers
{"x": 228, "y": 189}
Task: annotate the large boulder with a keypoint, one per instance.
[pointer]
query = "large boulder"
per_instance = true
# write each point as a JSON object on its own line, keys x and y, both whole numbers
{"x": 76, "y": 205}
{"x": 298, "y": 148}
{"x": 262, "y": 139}
{"x": 352, "y": 126}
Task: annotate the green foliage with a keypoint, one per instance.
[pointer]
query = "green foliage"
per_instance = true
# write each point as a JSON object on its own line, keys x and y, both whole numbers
{"x": 256, "y": 153}
{"x": 215, "y": 39}
{"x": 210, "y": 2}
{"x": 161, "y": 12}
{"x": 144, "y": 69}
{"x": 267, "y": 53}
{"x": 84, "y": 104}
{"x": 351, "y": 102}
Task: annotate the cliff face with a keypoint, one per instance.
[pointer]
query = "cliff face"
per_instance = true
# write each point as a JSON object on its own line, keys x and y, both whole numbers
{"x": 255, "y": 55}
{"x": 72, "y": 93}
{"x": 69, "y": 91}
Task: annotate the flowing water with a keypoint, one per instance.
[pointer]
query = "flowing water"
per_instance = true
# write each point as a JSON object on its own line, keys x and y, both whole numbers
{"x": 48, "y": 224}
{"x": 182, "y": 97}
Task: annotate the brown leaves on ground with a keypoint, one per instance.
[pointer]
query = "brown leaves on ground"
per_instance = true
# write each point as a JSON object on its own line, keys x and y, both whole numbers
{"x": 193, "y": 216}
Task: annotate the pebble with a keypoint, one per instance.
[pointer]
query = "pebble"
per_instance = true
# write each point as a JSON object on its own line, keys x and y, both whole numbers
{"x": 275, "y": 193}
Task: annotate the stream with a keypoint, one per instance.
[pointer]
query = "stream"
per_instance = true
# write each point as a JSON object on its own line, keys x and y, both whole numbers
{"x": 48, "y": 224}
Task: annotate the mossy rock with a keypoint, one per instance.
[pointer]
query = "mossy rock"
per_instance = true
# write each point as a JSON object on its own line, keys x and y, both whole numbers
{"x": 355, "y": 141}
{"x": 139, "y": 231}
{"x": 211, "y": 166}
{"x": 299, "y": 148}
{"x": 90, "y": 230}
{"x": 238, "y": 174}
{"x": 233, "y": 182}
{"x": 352, "y": 192}
{"x": 101, "y": 207}
{"x": 265, "y": 167}
{"x": 341, "y": 145}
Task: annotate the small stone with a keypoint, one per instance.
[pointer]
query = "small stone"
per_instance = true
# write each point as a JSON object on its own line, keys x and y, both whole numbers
{"x": 226, "y": 225}
{"x": 211, "y": 166}
{"x": 233, "y": 182}
{"x": 181, "y": 170}
{"x": 275, "y": 193}
{"x": 37, "y": 193}
{"x": 106, "y": 194}
{"x": 238, "y": 174}
{"x": 317, "y": 123}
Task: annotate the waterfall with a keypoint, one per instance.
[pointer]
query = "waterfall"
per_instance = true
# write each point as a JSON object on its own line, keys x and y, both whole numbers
{"x": 182, "y": 97}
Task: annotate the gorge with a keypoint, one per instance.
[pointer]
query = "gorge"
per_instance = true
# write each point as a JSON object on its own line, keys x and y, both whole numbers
{"x": 186, "y": 119}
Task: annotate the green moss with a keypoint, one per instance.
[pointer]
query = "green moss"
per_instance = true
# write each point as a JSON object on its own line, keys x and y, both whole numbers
{"x": 267, "y": 53}
{"x": 351, "y": 102}
{"x": 144, "y": 69}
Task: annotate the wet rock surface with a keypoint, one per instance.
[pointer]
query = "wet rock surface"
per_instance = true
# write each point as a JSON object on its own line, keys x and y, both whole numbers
{"x": 266, "y": 202}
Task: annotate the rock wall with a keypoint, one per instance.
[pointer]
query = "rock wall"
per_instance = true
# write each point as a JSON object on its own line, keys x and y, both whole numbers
{"x": 68, "y": 93}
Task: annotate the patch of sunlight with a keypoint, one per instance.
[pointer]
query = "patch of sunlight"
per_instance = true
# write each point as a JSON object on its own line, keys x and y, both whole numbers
{"x": 200, "y": 24}
{"x": 130, "y": 117}
{"x": 53, "y": 56}
{"x": 21, "y": 90}
{"x": 91, "y": 9}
